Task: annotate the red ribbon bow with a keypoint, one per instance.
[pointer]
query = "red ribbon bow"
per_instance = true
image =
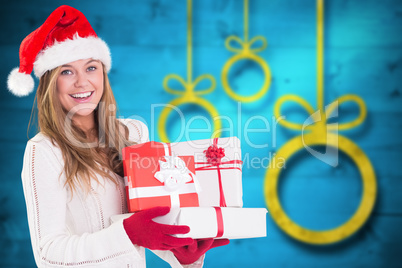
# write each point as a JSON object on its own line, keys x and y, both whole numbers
{"x": 214, "y": 154}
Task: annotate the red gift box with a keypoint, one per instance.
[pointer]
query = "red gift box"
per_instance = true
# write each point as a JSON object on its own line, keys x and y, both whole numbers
{"x": 155, "y": 178}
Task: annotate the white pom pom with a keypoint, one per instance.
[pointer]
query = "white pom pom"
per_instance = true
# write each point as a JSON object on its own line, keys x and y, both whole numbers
{"x": 20, "y": 84}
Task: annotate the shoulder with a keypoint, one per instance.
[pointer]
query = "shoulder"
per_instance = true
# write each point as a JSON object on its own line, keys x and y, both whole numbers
{"x": 138, "y": 131}
{"x": 43, "y": 145}
{"x": 41, "y": 157}
{"x": 41, "y": 139}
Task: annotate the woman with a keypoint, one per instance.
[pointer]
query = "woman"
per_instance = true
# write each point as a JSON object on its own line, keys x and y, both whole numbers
{"x": 72, "y": 171}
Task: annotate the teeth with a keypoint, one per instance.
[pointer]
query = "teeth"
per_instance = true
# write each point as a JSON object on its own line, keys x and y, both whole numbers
{"x": 82, "y": 95}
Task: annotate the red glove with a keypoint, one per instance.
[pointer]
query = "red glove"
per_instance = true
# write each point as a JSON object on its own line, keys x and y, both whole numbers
{"x": 143, "y": 231}
{"x": 191, "y": 253}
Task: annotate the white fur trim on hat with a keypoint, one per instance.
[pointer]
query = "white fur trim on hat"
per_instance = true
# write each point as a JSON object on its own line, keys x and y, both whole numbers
{"x": 71, "y": 50}
{"x": 20, "y": 84}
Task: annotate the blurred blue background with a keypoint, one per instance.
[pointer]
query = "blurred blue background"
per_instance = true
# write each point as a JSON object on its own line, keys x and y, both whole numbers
{"x": 363, "y": 56}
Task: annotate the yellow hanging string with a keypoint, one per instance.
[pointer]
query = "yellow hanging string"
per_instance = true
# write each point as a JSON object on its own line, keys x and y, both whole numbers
{"x": 320, "y": 60}
{"x": 246, "y": 21}
{"x": 188, "y": 93}
{"x": 245, "y": 52}
{"x": 321, "y": 134}
{"x": 189, "y": 42}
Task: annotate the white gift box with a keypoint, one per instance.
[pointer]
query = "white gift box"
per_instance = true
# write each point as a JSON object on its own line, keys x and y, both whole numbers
{"x": 229, "y": 171}
{"x": 205, "y": 222}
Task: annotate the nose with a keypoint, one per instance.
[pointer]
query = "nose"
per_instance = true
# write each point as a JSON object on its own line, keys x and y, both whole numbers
{"x": 81, "y": 80}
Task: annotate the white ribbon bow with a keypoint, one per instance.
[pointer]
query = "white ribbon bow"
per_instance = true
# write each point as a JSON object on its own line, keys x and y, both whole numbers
{"x": 173, "y": 173}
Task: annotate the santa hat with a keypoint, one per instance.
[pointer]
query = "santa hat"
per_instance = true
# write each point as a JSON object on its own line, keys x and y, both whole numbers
{"x": 66, "y": 36}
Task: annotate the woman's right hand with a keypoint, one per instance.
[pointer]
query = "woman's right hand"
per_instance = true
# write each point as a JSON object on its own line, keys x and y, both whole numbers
{"x": 143, "y": 231}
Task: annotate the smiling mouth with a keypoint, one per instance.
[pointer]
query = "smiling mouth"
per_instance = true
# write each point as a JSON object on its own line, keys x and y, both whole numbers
{"x": 81, "y": 96}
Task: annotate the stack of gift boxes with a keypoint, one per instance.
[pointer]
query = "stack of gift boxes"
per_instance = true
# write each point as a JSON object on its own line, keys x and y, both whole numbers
{"x": 200, "y": 180}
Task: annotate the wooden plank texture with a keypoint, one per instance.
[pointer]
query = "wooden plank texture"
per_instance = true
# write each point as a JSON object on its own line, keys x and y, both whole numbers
{"x": 363, "y": 56}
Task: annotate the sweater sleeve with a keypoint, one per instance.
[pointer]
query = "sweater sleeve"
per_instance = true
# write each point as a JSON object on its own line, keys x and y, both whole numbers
{"x": 46, "y": 200}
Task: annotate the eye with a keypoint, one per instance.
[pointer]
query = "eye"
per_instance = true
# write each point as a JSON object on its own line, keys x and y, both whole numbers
{"x": 91, "y": 68}
{"x": 66, "y": 72}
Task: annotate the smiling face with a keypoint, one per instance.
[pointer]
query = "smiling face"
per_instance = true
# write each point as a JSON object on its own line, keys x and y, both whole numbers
{"x": 80, "y": 87}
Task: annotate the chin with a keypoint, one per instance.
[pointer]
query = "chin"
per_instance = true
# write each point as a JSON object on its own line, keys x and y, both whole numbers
{"x": 85, "y": 113}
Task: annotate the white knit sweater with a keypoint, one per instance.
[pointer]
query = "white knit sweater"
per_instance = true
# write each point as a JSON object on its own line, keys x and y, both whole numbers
{"x": 74, "y": 230}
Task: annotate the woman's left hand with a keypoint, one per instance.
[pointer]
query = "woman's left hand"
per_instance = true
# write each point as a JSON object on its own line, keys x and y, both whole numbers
{"x": 191, "y": 253}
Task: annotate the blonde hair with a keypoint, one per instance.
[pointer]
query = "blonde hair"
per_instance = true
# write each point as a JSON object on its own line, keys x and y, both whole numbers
{"x": 82, "y": 161}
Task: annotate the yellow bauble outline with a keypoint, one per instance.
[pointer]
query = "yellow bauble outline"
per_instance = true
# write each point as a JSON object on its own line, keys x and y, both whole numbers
{"x": 233, "y": 60}
{"x": 194, "y": 100}
{"x": 349, "y": 227}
